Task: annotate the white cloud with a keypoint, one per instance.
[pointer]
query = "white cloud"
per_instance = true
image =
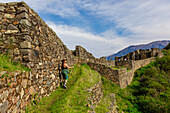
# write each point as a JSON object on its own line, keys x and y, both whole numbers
{"x": 96, "y": 44}
{"x": 143, "y": 21}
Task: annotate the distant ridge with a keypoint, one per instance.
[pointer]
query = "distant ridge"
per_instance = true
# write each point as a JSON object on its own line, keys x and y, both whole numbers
{"x": 155, "y": 44}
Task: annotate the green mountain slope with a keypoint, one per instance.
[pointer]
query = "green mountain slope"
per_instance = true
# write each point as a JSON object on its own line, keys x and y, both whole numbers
{"x": 149, "y": 91}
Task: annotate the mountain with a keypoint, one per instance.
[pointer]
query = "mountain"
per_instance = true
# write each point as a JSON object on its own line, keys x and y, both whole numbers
{"x": 155, "y": 44}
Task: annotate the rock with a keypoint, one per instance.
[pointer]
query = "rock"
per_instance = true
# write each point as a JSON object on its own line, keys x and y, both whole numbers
{"x": 32, "y": 91}
{"x": 23, "y": 15}
{"x": 25, "y": 51}
{"x": 42, "y": 91}
{"x": 22, "y": 93}
{"x": 25, "y": 45}
{"x": 15, "y": 100}
{"x": 11, "y": 31}
{"x": 4, "y": 107}
{"x": 9, "y": 16}
{"x": 16, "y": 59}
{"x": 2, "y": 8}
{"x": 24, "y": 83}
{"x": 15, "y": 22}
{"x": 25, "y": 22}
{"x": 22, "y": 9}
{"x": 16, "y": 51}
{"x": 12, "y": 27}
{"x": 52, "y": 76}
{"x": 27, "y": 37}
{"x": 18, "y": 103}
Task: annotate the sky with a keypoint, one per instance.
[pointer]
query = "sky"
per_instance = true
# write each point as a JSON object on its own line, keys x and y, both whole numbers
{"x": 105, "y": 27}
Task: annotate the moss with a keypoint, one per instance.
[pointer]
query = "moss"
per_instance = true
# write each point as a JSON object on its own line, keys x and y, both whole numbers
{"x": 6, "y": 64}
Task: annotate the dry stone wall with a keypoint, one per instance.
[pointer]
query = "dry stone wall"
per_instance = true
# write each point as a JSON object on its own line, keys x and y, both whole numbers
{"x": 28, "y": 40}
{"x": 85, "y": 56}
{"x": 17, "y": 89}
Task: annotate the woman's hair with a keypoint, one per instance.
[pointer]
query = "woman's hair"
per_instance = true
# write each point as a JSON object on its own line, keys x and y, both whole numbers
{"x": 62, "y": 65}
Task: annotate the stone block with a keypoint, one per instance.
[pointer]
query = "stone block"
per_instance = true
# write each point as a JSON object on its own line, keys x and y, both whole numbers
{"x": 27, "y": 58}
{"x": 16, "y": 51}
{"x": 25, "y": 51}
{"x": 25, "y": 45}
{"x": 32, "y": 91}
{"x": 11, "y": 31}
{"x": 9, "y": 15}
{"x": 22, "y": 93}
{"x": 42, "y": 91}
{"x": 22, "y": 9}
{"x": 52, "y": 76}
{"x": 23, "y": 15}
{"x": 4, "y": 107}
{"x": 12, "y": 27}
{"x": 17, "y": 59}
{"x": 24, "y": 83}
{"x": 2, "y": 8}
{"x": 25, "y": 22}
{"x": 15, "y": 99}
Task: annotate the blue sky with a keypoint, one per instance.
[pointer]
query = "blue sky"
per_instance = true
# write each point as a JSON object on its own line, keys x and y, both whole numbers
{"x": 104, "y": 27}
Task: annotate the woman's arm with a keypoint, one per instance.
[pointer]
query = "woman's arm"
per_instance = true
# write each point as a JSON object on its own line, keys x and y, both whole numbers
{"x": 68, "y": 66}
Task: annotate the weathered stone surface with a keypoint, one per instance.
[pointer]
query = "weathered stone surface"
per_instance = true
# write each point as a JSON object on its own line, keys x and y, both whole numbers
{"x": 16, "y": 51}
{"x": 25, "y": 51}
{"x": 9, "y": 16}
{"x": 4, "y": 107}
{"x": 11, "y": 31}
{"x": 52, "y": 76}
{"x": 25, "y": 22}
{"x": 25, "y": 45}
{"x": 24, "y": 83}
{"x": 22, "y": 9}
{"x": 23, "y": 15}
{"x": 22, "y": 93}
{"x": 42, "y": 91}
{"x": 2, "y": 8}
{"x": 32, "y": 91}
{"x": 15, "y": 100}
{"x": 12, "y": 27}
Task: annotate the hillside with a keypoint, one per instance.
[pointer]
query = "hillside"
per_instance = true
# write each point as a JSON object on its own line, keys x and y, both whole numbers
{"x": 155, "y": 44}
{"x": 76, "y": 99}
{"x": 148, "y": 93}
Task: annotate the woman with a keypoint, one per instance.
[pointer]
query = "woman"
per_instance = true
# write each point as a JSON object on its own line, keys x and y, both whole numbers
{"x": 64, "y": 71}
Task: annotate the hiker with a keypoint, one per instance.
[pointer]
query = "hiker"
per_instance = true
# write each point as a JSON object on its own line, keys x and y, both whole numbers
{"x": 64, "y": 71}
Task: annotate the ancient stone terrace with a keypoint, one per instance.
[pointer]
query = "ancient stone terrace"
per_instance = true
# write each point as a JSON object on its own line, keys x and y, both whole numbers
{"x": 28, "y": 40}
{"x": 141, "y": 54}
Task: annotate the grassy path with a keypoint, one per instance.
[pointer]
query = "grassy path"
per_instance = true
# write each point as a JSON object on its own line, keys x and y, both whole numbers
{"x": 74, "y": 99}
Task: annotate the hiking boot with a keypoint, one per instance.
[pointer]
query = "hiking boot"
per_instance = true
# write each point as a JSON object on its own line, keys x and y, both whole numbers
{"x": 65, "y": 86}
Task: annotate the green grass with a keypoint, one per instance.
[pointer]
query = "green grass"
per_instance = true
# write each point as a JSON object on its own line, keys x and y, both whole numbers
{"x": 71, "y": 100}
{"x": 6, "y": 64}
{"x": 149, "y": 91}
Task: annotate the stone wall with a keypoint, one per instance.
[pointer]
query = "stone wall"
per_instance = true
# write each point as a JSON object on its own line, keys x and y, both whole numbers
{"x": 141, "y": 54}
{"x": 96, "y": 93}
{"x": 17, "y": 89}
{"x": 85, "y": 57}
{"x": 120, "y": 75}
{"x": 95, "y": 96}
{"x": 28, "y": 40}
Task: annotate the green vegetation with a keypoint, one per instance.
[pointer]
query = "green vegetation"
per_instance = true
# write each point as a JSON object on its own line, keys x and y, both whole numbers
{"x": 149, "y": 91}
{"x": 6, "y": 64}
{"x": 71, "y": 100}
